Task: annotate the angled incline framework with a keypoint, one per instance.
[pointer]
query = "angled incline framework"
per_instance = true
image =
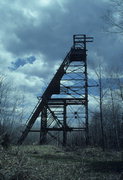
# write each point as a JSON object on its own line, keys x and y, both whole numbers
{"x": 64, "y": 104}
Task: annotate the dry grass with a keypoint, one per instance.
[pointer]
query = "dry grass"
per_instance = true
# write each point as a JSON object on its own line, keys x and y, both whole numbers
{"x": 52, "y": 163}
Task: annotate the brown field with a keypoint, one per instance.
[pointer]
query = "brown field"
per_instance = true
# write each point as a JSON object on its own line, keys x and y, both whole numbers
{"x": 53, "y": 163}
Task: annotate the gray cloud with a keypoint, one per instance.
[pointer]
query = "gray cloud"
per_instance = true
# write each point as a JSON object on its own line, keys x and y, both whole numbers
{"x": 32, "y": 29}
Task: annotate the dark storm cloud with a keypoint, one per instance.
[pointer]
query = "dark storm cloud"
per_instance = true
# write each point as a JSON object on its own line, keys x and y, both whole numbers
{"x": 31, "y": 28}
{"x": 53, "y": 32}
{"x": 50, "y": 32}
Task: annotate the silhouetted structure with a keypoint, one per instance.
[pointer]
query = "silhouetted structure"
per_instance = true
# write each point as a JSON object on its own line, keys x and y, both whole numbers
{"x": 64, "y": 104}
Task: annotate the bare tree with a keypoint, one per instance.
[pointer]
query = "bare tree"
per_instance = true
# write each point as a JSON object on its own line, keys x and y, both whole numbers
{"x": 114, "y": 16}
{"x": 114, "y": 118}
{"x": 95, "y": 129}
{"x": 119, "y": 86}
{"x": 116, "y": 96}
{"x": 11, "y": 112}
{"x": 99, "y": 72}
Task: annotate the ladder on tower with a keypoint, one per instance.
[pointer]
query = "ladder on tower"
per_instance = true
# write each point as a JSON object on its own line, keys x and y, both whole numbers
{"x": 53, "y": 88}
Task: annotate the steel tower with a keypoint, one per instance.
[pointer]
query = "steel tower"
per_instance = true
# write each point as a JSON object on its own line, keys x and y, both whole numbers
{"x": 64, "y": 104}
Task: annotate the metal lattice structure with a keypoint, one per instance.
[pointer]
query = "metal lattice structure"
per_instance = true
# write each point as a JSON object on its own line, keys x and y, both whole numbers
{"x": 64, "y": 104}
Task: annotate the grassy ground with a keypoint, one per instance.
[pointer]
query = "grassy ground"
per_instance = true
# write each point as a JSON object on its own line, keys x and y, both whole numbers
{"x": 52, "y": 163}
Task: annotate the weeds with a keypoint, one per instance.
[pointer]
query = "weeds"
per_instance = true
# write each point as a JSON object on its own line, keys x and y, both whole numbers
{"x": 53, "y": 163}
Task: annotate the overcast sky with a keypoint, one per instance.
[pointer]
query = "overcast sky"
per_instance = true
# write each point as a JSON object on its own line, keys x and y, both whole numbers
{"x": 35, "y": 36}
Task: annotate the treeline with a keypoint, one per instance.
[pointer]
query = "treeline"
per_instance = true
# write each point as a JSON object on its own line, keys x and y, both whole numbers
{"x": 110, "y": 117}
{"x": 112, "y": 128}
{"x": 11, "y": 111}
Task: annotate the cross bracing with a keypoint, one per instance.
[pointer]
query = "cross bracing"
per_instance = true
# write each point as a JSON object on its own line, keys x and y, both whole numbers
{"x": 64, "y": 104}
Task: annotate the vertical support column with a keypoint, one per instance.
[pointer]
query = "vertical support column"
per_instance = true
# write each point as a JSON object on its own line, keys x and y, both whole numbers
{"x": 43, "y": 131}
{"x": 86, "y": 95}
{"x": 64, "y": 124}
